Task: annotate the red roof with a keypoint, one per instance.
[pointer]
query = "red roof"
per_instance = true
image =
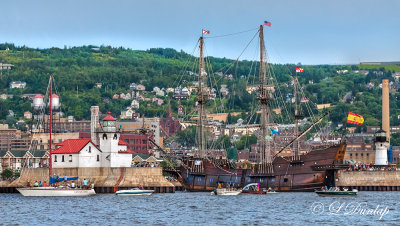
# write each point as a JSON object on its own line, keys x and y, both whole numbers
{"x": 128, "y": 151}
{"x": 54, "y": 96}
{"x": 38, "y": 96}
{"x": 71, "y": 146}
{"x": 109, "y": 117}
{"x": 121, "y": 142}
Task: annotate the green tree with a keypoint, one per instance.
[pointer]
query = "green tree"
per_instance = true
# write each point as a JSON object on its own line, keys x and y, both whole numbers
{"x": 224, "y": 142}
{"x": 7, "y": 174}
{"x": 395, "y": 139}
{"x": 231, "y": 153}
{"x": 10, "y": 120}
{"x": 188, "y": 136}
{"x": 245, "y": 142}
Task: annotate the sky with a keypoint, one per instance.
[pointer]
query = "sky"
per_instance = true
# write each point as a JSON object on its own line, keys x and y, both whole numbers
{"x": 302, "y": 31}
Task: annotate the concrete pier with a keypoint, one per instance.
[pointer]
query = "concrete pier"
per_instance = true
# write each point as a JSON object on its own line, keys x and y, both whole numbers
{"x": 369, "y": 180}
{"x": 106, "y": 180}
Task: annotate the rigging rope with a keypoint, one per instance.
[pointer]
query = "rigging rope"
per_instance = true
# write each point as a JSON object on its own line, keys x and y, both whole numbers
{"x": 236, "y": 33}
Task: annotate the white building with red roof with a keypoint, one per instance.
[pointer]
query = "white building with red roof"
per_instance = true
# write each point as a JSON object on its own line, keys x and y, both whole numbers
{"x": 111, "y": 151}
{"x": 73, "y": 153}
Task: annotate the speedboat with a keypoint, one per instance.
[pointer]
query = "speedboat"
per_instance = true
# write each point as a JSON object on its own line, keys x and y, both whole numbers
{"x": 55, "y": 191}
{"x": 334, "y": 191}
{"x": 225, "y": 191}
{"x": 135, "y": 191}
{"x": 253, "y": 188}
{"x": 226, "y": 188}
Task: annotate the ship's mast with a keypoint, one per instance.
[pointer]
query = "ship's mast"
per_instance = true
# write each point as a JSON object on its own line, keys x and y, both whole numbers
{"x": 51, "y": 120}
{"x": 296, "y": 118}
{"x": 265, "y": 97}
{"x": 201, "y": 101}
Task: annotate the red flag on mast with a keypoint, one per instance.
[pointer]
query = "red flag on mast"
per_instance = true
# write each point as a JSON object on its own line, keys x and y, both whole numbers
{"x": 206, "y": 31}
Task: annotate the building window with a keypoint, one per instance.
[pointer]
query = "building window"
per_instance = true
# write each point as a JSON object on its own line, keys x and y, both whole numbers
{"x": 70, "y": 158}
{"x": 356, "y": 154}
{"x": 98, "y": 158}
{"x": 351, "y": 155}
{"x": 138, "y": 141}
{"x": 362, "y": 154}
{"x": 367, "y": 154}
{"x": 41, "y": 147}
{"x": 90, "y": 149}
{"x": 144, "y": 141}
{"x": 55, "y": 158}
{"x": 62, "y": 158}
{"x": 132, "y": 141}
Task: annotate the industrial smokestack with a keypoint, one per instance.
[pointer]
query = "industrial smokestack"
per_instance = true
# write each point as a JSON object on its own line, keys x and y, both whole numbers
{"x": 385, "y": 108}
{"x": 94, "y": 120}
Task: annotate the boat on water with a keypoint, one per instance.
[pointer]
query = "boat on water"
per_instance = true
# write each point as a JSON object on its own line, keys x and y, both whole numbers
{"x": 299, "y": 172}
{"x": 226, "y": 188}
{"x": 225, "y": 191}
{"x": 253, "y": 188}
{"x": 135, "y": 191}
{"x": 336, "y": 192}
{"x": 57, "y": 190}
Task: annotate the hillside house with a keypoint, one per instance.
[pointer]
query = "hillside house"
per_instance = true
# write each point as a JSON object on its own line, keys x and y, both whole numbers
{"x": 17, "y": 85}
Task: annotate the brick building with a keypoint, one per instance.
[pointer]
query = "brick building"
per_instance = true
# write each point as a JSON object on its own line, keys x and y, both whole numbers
{"x": 170, "y": 125}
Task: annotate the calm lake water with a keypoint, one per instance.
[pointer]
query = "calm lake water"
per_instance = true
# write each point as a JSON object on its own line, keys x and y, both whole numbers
{"x": 184, "y": 208}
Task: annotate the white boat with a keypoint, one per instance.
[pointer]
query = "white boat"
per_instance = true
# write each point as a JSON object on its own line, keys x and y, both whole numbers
{"x": 225, "y": 191}
{"x": 334, "y": 192}
{"x": 135, "y": 191}
{"x": 226, "y": 188}
{"x": 55, "y": 191}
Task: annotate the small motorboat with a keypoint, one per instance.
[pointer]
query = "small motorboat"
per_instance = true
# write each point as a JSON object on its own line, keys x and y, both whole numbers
{"x": 253, "y": 188}
{"x": 135, "y": 191}
{"x": 225, "y": 191}
{"x": 226, "y": 188}
{"x": 335, "y": 191}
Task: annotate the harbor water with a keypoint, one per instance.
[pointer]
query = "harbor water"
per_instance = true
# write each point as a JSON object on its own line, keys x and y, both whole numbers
{"x": 184, "y": 208}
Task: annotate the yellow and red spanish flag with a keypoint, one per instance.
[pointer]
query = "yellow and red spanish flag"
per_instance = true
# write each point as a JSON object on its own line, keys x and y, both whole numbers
{"x": 355, "y": 118}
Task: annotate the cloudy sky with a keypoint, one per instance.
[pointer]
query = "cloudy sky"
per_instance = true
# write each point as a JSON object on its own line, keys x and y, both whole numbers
{"x": 306, "y": 31}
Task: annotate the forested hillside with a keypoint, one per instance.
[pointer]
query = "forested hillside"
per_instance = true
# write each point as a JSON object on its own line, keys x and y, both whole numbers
{"x": 78, "y": 69}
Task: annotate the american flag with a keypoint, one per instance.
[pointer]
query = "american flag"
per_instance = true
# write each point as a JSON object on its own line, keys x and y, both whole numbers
{"x": 299, "y": 70}
{"x": 267, "y": 23}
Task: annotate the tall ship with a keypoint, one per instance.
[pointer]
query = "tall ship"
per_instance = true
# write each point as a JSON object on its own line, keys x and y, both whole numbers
{"x": 297, "y": 172}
